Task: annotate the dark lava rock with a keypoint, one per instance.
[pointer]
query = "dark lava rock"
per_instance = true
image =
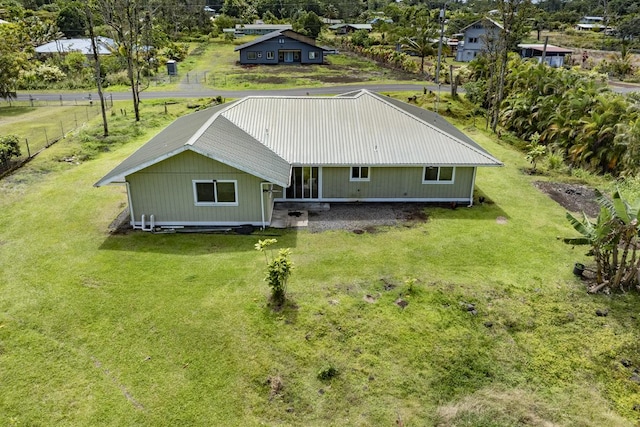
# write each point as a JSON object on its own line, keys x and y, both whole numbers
{"x": 626, "y": 363}
{"x": 488, "y": 324}
{"x": 401, "y": 303}
{"x": 602, "y": 313}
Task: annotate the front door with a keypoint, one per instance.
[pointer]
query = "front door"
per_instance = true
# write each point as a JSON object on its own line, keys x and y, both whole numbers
{"x": 304, "y": 183}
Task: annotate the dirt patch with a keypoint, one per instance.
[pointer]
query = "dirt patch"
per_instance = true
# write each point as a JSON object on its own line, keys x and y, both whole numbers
{"x": 340, "y": 79}
{"x": 573, "y": 197}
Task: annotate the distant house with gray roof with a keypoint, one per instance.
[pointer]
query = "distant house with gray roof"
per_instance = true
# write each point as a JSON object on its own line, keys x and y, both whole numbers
{"x": 343, "y": 28}
{"x": 229, "y": 164}
{"x": 260, "y": 29}
{"x": 281, "y": 47}
{"x": 62, "y": 46}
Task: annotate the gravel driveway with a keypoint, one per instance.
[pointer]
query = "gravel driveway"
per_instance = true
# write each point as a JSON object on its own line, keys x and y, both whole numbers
{"x": 365, "y": 217}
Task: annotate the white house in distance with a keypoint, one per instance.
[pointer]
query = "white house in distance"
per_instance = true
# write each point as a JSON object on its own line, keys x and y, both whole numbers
{"x": 105, "y": 46}
{"x": 553, "y": 55}
{"x": 475, "y": 38}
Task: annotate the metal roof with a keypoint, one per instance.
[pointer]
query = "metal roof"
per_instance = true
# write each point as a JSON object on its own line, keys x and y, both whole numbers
{"x": 540, "y": 48}
{"x": 287, "y": 33}
{"x": 105, "y": 46}
{"x": 265, "y": 136}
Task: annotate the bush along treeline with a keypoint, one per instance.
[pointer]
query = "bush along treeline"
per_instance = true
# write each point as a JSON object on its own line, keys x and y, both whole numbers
{"x": 572, "y": 114}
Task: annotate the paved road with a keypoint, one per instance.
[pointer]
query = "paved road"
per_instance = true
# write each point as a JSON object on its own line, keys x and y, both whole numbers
{"x": 197, "y": 91}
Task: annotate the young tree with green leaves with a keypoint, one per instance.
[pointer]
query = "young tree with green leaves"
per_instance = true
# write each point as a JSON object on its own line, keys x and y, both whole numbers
{"x": 279, "y": 268}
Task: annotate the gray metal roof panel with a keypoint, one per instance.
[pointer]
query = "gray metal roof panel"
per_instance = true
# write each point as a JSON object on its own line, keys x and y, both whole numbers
{"x": 362, "y": 129}
{"x": 265, "y": 136}
{"x": 225, "y": 142}
{"x": 170, "y": 140}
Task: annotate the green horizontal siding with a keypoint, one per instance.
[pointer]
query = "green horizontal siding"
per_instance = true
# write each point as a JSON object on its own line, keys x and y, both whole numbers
{"x": 165, "y": 190}
{"x": 393, "y": 182}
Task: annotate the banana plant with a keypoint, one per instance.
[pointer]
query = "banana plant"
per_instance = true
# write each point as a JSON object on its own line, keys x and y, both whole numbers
{"x": 613, "y": 238}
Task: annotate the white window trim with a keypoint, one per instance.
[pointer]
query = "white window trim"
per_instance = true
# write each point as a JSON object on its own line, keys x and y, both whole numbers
{"x": 270, "y": 54}
{"x": 352, "y": 179}
{"x": 215, "y": 189}
{"x": 437, "y": 181}
{"x": 313, "y": 54}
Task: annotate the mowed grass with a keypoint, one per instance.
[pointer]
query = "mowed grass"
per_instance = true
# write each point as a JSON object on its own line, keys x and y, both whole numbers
{"x": 40, "y": 126}
{"x": 144, "y": 329}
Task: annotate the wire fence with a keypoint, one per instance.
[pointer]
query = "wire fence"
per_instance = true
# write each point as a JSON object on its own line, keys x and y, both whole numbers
{"x": 37, "y": 136}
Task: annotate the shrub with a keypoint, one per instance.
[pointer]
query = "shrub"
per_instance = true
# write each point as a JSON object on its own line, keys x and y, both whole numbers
{"x": 9, "y": 148}
{"x": 327, "y": 373}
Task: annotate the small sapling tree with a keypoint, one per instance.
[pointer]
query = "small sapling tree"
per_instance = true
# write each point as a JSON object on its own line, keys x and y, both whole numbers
{"x": 279, "y": 269}
{"x": 535, "y": 151}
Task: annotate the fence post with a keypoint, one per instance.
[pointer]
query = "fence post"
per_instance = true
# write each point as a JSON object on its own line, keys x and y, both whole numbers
{"x": 204, "y": 77}
{"x": 87, "y": 110}
{"x": 31, "y": 100}
{"x": 26, "y": 141}
{"x": 111, "y": 96}
{"x": 62, "y": 129}
{"x": 187, "y": 78}
{"x": 75, "y": 116}
{"x": 61, "y": 100}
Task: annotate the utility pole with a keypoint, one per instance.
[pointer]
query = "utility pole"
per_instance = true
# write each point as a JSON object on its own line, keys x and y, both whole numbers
{"x": 442, "y": 19}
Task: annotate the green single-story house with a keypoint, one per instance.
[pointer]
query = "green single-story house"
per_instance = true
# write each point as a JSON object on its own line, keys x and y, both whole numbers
{"x": 228, "y": 165}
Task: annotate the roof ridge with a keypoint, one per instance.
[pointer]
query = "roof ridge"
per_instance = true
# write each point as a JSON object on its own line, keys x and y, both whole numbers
{"x": 202, "y": 129}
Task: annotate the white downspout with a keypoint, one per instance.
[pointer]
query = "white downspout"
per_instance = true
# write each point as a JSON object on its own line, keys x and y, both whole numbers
{"x": 264, "y": 225}
{"x": 473, "y": 184}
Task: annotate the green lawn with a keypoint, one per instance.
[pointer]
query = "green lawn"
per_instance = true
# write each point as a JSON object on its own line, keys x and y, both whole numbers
{"x": 144, "y": 329}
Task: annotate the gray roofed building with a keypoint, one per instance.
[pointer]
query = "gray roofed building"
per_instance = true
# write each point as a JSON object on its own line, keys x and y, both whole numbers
{"x": 105, "y": 46}
{"x": 359, "y": 146}
{"x": 282, "y": 47}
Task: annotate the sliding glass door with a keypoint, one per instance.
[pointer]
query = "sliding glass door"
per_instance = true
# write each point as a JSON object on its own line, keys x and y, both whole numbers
{"x": 304, "y": 183}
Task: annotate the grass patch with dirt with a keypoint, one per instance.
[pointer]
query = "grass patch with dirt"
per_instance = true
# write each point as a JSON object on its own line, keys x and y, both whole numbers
{"x": 461, "y": 320}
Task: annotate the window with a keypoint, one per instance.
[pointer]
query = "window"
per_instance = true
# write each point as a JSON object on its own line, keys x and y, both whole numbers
{"x": 313, "y": 54}
{"x": 281, "y": 40}
{"x": 360, "y": 173}
{"x": 438, "y": 175}
{"x": 473, "y": 40}
{"x": 252, "y": 55}
{"x": 212, "y": 192}
{"x": 270, "y": 55}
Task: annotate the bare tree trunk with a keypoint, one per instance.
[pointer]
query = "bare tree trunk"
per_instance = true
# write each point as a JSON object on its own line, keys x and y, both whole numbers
{"x": 96, "y": 59}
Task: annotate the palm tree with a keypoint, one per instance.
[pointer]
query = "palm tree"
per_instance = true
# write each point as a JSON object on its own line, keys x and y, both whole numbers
{"x": 422, "y": 43}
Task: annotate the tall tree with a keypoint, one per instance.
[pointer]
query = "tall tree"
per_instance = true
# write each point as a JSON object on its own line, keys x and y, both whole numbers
{"x": 125, "y": 18}
{"x": 96, "y": 61}
{"x": 12, "y": 59}
{"x": 514, "y": 16}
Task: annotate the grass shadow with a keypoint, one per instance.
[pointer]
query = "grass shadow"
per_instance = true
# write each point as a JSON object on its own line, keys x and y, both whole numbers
{"x": 195, "y": 243}
{"x": 14, "y": 110}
